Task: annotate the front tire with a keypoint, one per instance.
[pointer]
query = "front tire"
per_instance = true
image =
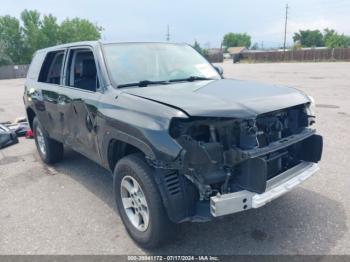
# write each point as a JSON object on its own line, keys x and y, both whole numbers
{"x": 50, "y": 150}
{"x": 139, "y": 202}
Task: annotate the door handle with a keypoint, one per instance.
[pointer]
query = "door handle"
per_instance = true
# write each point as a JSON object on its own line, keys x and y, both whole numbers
{"x": 89, "y": 123}
{"x": 61, "y": 100}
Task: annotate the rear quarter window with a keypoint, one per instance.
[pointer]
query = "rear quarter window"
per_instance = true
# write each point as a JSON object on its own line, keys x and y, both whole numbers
{"x": 51, "y": 70}
{"x": 35, "y": 66}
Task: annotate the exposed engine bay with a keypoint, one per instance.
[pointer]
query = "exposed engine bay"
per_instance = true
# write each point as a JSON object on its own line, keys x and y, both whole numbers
{"x": 223, "y": 155}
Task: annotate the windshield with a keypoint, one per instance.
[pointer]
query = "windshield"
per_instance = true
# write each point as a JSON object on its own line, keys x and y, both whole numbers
{"x": 136, "y": 62}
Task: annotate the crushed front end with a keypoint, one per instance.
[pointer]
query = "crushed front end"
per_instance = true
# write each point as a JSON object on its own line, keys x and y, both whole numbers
{"x": 237, "y": 164}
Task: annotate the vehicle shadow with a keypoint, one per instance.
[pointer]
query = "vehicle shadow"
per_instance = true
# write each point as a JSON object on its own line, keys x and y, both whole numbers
{"x": 300, "y": 222}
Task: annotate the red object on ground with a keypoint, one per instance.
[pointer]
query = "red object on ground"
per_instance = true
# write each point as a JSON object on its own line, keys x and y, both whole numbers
{"x": 29, "y": 134}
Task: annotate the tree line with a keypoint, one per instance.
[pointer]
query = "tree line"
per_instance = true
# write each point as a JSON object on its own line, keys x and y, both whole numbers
{"x": 304, "y": 38}
{"x": 315, "y": 38}
{"x": 20, "y": 38}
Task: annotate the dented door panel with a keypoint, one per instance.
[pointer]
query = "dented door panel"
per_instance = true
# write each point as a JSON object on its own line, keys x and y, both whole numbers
{"x": 80, "y": 128}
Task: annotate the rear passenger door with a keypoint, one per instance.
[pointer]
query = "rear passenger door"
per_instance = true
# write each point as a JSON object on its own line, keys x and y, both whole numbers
{"x": 47, "y": 93}
{"x": 81, "y": 94}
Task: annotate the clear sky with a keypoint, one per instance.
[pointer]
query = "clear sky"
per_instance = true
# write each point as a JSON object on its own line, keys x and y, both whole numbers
{"x": 203, "y": 20}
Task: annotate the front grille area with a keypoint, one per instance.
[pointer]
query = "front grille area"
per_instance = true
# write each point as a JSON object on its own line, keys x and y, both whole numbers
{"x": 280, "y": 124}
{"x": 253, "y": 173}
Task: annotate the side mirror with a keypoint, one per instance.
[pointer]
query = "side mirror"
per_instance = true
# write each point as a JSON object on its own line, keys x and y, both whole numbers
{"x": 219, "y": 69}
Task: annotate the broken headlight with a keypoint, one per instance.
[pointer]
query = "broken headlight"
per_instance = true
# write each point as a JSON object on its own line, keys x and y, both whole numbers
{"x": 206, "y": 129}
{"x": 200, "y": 129}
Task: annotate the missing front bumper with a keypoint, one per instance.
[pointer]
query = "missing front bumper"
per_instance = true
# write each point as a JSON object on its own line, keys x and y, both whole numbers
{"x": 275, "y": 187}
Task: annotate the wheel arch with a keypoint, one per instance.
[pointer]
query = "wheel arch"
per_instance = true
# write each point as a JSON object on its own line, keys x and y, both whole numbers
{"x": 177, "y": 193}
{"x": 122, "y": 144}
{"x": 30, "y": 116}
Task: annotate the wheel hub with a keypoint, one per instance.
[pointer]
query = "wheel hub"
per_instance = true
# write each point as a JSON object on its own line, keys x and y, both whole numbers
{"x": 134, "y": 203}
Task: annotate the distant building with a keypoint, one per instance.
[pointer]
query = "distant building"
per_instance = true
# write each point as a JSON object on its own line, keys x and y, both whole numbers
{"x": 236, "y": 52}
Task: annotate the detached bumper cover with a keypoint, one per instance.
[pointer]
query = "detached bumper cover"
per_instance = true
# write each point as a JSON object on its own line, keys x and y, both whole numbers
{"x": 277, "y": 186}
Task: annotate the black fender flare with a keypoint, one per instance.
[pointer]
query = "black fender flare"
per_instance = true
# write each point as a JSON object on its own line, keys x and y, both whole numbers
{"x": 128, "y": 139}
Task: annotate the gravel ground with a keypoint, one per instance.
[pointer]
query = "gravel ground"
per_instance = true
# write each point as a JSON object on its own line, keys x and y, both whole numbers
{"x": 69, "y": 209}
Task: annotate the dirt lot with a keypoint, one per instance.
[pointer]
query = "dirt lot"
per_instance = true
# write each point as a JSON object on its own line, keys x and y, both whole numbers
{"x": 69, "y": 209}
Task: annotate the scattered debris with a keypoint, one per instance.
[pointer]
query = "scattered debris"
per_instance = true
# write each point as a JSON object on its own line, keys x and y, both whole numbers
{"x": 20, "y": 126}
{"x": 9, "y": 132}
{"x": 21, "y": 119}
{"x": 7, "y": 137}
{"x": 29, "y": 134}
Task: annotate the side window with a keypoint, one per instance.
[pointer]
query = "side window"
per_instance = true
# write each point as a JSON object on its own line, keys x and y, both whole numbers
{"x": 52, "y": 68}
{"x": 81, "y": 70}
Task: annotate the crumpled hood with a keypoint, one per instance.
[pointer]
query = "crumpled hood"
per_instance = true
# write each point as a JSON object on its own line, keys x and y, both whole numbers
{"x": 222, "y": 98}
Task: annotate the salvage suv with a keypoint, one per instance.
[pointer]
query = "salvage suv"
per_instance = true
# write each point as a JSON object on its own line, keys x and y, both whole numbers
{"x": 182, "y": 142}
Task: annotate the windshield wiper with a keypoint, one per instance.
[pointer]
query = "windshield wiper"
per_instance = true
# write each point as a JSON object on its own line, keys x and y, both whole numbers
{"x": 192, "y": 78}
{"x": 144, "y": 83}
